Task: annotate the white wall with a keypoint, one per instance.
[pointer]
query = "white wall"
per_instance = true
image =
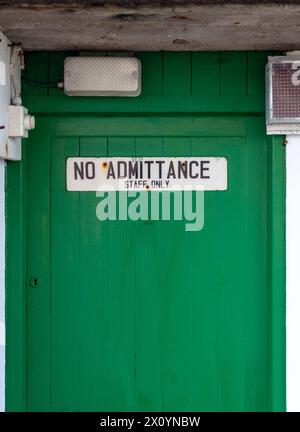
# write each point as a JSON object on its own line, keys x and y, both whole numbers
{"x": 2, "y": 292}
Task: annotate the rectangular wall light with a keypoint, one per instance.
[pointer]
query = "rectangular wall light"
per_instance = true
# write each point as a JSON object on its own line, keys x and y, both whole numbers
{"x": 102, "y": 76}
{"x": 283, "y": 95}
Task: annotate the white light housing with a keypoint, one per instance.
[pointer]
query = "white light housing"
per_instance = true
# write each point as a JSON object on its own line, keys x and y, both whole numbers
{"x": 102, "y": 76}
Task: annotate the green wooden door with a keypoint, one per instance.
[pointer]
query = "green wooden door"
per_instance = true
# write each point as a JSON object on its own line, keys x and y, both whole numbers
{"x": 144, "y": 315}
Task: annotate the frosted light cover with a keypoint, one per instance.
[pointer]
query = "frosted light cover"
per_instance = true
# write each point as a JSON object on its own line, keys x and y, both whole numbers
{"x": 102, "y": 76}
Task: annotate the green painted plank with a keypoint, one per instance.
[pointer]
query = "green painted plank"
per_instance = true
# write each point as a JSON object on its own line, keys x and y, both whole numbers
{"x": 204, "y": 301}
{"x": 121, "y": 372}
{"x": 35, "y": 75}
{"x": 175, "y": 301}
{"x": 65, "y": 286}
{"x": 256, "y": 62}
{"x": 258, "y": 331}
{"x": 151, "y": 126}
{"x": 149, "y": 285}
{"x": 276, "y": 207}
{"x": 15, "y": 282}
{"x": 38, "y": 266}
{"x": 233, "y": 74}
{"x": 151, "y": 73}
{"x": 232, "y": 265}
{"x": 94, "y": 310}
{"x": 205, "y": 74}
{"x": 147, "y": 104}
{"x": 176, "y": 74}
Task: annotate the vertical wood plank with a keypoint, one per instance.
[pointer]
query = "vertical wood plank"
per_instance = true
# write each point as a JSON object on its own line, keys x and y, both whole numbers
{"x": 233, "y": 73}
{"x": 94, "y": 311}
{"x": 151, "y": 73}
{"x": 256, "y": 73}
{"x": 233, "y": 301}
{"x": 176, "y": 74}
{"x": 15, "y": 282}
{"x": 277, "y": 184}
{"x": 149, "y": 287}
{"x": 36, "y": 72}
{"x": 65, "y": 276}
{"x": 256, "y": 283}
{"x": 38, "y": 266}
{"x": 121, "y": 298}
{"x": 204, "y": 301}
{"x": 205, "y": 73}
{"x": 175, "y": 300}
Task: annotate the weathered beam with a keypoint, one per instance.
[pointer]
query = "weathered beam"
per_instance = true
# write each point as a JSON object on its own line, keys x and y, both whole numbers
{"x": 152, "y": 25}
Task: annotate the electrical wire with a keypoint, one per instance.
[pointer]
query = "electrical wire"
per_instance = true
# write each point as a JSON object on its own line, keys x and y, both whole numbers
{"x": 39, "y": 84}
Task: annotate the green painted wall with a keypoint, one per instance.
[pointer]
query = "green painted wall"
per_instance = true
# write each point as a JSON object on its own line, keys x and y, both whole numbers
{"x": 137, "y": 315}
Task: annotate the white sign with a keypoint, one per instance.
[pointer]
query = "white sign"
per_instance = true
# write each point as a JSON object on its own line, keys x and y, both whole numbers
{"x": 146, "y": 173}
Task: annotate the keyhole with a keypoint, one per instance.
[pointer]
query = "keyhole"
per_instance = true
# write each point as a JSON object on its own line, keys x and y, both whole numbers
{"x": 35, "y": 282}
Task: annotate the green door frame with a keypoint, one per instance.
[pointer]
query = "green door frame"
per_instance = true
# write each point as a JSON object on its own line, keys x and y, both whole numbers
{"x": 17, "y": 280}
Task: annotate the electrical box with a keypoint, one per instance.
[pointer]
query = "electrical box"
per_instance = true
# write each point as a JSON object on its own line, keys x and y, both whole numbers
{"x": 19, "y": 122}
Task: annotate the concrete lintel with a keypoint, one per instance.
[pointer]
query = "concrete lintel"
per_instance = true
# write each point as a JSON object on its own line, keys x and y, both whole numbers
{"x": 152, "y": 25}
